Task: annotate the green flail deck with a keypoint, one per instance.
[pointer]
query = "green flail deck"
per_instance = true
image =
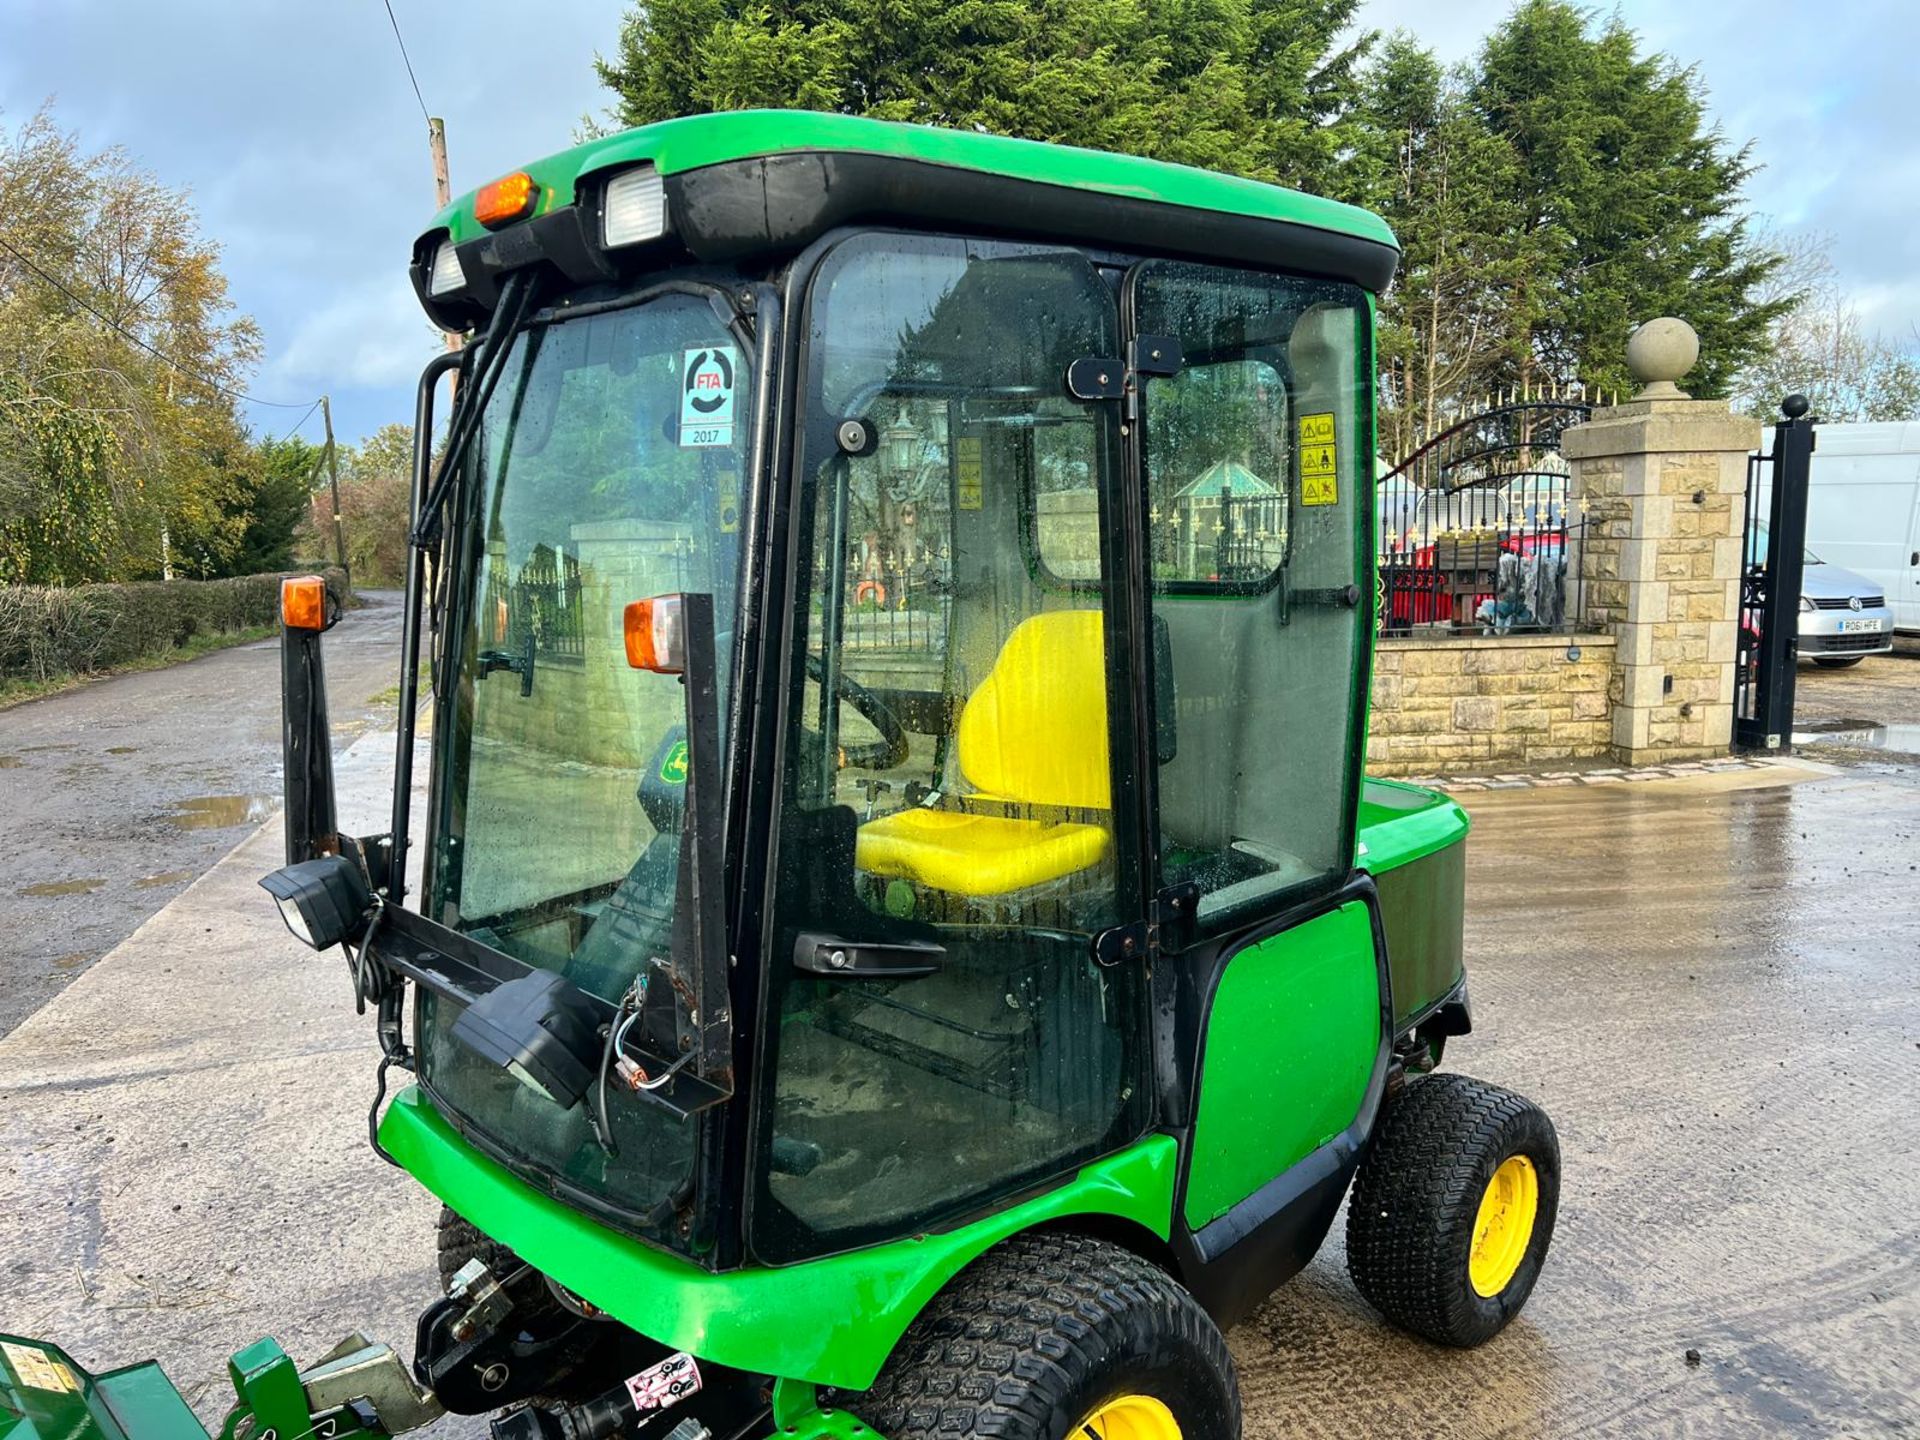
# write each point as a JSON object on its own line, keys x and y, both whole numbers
{"x": 44, "y": 1395}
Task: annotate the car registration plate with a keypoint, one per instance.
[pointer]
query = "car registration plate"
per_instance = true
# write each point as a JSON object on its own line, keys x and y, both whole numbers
{"x": 1851, "y": 626}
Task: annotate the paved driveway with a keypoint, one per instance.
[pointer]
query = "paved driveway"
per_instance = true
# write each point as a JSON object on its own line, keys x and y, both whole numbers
{"x": 1711, "y": 988}
{"x": 120, "y": 793}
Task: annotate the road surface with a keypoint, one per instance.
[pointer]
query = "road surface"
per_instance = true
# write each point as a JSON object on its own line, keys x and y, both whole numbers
{"x": 119, "y": 794}
{"x": 1710, "y": 988}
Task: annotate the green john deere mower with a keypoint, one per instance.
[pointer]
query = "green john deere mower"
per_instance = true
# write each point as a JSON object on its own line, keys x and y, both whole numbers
{"x": 899, "y": 939}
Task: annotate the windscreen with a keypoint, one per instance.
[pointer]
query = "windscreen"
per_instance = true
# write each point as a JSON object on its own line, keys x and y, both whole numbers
{"x": 609, "y": 470}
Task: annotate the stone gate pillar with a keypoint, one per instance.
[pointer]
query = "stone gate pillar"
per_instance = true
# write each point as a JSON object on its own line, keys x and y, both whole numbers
{"x": 1660, "y": 482}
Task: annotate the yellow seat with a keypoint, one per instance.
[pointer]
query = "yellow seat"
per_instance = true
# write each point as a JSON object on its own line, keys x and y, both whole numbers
{"x": 1033, "y": 733}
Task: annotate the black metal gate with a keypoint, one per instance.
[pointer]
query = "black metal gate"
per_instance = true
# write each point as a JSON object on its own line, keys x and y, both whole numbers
{"x": 1477, "y": 528}
{"x": 1767, "y": 645}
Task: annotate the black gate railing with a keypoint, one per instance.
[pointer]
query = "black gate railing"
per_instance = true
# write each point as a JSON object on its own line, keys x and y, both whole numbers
{"x": 543, "y": 604}
{"x": 1477, "y": 531}
{"x": 1767, "y": 643}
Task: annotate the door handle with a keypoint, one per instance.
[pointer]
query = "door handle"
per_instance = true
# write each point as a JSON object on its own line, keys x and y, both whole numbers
{"x": 838, "y": 959}
{"x": 1914, "y": 558}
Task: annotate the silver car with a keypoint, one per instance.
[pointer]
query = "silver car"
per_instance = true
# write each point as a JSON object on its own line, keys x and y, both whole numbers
{"x": 1843, "y": 616}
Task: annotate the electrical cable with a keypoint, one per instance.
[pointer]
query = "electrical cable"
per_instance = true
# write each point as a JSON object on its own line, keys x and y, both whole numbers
{"x": 157, "y": 354}
{"x": 404, "y": 60}
{"x": 295, "y": 427}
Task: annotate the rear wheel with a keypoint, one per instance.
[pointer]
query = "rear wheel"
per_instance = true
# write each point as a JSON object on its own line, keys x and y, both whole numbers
{"x": 1453, "y": 1209}
{"x": 1052, "y": 1336}
{"x": 1837, "y": 662}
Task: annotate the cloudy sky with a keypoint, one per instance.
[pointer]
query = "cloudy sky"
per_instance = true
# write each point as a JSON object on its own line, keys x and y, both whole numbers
{"x": 295, "y": 128}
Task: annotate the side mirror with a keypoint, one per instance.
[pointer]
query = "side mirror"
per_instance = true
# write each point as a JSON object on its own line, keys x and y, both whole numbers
{"x": 307, "y": 611}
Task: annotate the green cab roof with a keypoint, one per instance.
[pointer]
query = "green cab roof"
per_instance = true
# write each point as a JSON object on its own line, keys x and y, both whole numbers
{"x": 676, "y": 147}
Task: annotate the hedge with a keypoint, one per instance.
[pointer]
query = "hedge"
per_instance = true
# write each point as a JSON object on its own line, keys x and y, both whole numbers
{"x": 48, "y": 634}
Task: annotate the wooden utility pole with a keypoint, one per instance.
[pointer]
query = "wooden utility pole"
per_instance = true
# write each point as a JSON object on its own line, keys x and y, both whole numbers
{"x": 333, "y": 477}
{"x": 442, "y": 187}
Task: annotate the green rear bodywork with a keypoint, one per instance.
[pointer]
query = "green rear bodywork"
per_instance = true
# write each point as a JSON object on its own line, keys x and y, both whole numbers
{"x": 675, "y": 146}
{"x": 137, "y": 1401}
{"x": 830, "y": 1322}
{"x": 1413, "y": 843}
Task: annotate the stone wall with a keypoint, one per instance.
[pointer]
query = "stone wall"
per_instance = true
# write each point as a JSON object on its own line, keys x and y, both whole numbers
{"x": 1475, "y": 703}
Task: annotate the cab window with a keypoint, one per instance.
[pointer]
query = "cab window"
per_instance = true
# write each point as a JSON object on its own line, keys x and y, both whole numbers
{"x": 948, "y": 802}
{"x": 1257, "y": 489}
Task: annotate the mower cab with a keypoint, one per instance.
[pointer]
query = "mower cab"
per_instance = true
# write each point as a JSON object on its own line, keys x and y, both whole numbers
{"x": 899, "y": 612}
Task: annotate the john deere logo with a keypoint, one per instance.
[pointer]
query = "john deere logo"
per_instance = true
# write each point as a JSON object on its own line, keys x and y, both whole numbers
{"x": 673, "y": 769}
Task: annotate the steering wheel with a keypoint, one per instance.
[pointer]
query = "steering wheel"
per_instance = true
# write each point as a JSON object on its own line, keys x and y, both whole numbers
{"x": 882, "y": 754}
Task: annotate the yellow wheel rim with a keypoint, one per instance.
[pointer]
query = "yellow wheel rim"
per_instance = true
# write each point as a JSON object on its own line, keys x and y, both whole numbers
{"x": 1131, "y": 1417}
{"x": 1504, "y": 1226}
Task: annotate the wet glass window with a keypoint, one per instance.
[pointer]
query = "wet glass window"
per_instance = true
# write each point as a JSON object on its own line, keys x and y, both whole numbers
{"x": 1257, "y": 469}
{"x": 609, "y": 471}
{"x": 949, "y": 781}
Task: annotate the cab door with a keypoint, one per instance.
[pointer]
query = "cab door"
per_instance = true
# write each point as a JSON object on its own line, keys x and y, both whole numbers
{"x": 1255, "y": 454}
{"x": 959, "y": 815}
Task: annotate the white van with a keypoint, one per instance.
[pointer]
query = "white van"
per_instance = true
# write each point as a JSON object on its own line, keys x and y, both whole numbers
{"x": 1863, "y": 510}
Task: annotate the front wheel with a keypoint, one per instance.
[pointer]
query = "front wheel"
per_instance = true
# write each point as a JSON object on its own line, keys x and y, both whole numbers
{"x": 1050, "y": 1336}
{"x": 1453, "y": 1209}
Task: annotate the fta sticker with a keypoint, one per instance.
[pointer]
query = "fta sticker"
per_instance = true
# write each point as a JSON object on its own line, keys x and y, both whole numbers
{"x": 38, "y": 1370}
{"x": 707, "y": 380}
{"x": 1319, "y": 460}
{"x": 665, "y": 1384}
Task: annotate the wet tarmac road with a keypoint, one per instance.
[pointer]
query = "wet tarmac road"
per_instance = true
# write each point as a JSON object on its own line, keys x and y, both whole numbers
{"x": 116, "y": 796}
{"x": 1716, "y": 994}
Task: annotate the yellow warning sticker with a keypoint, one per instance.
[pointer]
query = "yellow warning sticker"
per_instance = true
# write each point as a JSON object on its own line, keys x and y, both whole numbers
{"x": 966, "y": 468}
{"x": 1319, "y": 460}
{"x": 39, "y": 1370}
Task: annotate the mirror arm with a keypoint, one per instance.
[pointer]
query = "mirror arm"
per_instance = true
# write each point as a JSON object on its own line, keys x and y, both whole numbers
{"x": 306, "y": 750}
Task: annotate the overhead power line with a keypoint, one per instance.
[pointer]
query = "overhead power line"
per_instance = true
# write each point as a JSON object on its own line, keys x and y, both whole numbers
{"x": 294, "y": 429}
{"x": 407, "y": 61}
{"x": 158, "y": 354}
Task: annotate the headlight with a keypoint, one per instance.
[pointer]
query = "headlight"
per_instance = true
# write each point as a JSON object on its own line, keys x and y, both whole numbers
{"x": 633, "y": 208}
{"x": 447, "y": 276}
{"x": 1805, "y": 603}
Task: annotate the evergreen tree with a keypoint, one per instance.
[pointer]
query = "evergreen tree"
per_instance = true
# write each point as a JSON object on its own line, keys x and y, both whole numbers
{"x": 1254, "y": 87}
{"x": 1629, "y": 202}
{"x": 1449, "y": 188}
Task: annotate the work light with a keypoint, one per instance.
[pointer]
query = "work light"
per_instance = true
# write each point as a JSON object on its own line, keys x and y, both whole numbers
{"x": 633, "y": 208}
{"x": 323, "y": 901}
{"x": 540, "y": 1028}
{"x": 447, "y": 276}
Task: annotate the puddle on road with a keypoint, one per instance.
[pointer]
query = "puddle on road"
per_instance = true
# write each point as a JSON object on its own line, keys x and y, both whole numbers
{"x": 61, "y": 887}
{"x": 1862, "y": 735}
{"x": 218, "y": 812}
{"x": 11, "y": 762}
{"x": 165, "y": 877}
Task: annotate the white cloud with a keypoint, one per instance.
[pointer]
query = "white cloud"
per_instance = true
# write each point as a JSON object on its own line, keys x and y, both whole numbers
{"x": 372, "y": 334}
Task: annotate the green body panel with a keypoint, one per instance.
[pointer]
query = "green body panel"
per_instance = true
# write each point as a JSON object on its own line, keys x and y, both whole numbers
{"x": 136, "y": 1403}
{"x": 1400, "y": 823}
{"x": 1412, "y": 841}
{"x": 831, "y": 1321}
{"x": 696, "y": 141}
{"x": 1290, "y": 1044}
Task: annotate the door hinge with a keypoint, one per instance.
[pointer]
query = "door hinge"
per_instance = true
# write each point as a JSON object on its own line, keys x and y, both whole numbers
{"x": 1167, "y": 928}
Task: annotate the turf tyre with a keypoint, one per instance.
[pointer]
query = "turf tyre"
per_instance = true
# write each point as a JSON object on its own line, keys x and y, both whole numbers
{"x": 1410, "y": 1223}
{"x": 1040, "y": 1333}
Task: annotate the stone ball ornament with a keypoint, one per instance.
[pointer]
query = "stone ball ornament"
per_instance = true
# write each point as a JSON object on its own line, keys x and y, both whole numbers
{"x": 1659, "y": 353}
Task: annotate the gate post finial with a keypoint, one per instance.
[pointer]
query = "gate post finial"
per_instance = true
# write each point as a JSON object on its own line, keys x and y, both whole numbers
{"x": 1659, "y": 353}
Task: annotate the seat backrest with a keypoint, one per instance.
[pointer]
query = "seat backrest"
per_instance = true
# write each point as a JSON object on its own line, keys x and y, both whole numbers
{"x": 1036, "y": 729}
